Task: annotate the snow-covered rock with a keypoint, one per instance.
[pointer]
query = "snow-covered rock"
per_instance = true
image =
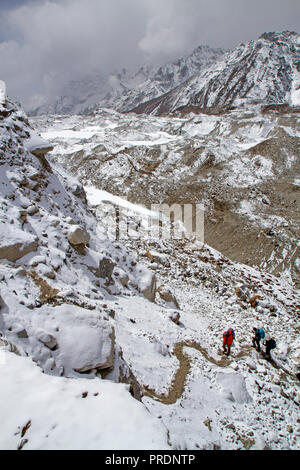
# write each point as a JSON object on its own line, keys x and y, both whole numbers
{"x": 105, "y": 269}
{"x": 16, "y": 243}
{"x": 121, "y": 276}
{"x": 166, "y": 294}
{"x": 85, "y": 341}
{"x": 175, "y": 317}
{"x": 37, "y": 145}
{"x": 78, "y": 235}
{"x": 147, "y": 284}
{"x": 46, "y": 338}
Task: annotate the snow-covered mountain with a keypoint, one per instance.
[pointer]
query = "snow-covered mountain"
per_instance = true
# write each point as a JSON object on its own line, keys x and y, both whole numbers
{"x": 125, "y": 90}
{"x": 263, "y": 71}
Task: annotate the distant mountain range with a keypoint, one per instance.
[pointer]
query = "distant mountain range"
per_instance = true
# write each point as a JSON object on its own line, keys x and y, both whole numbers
{"x": 124, "y": 90}
{"x": 263, "y": 71}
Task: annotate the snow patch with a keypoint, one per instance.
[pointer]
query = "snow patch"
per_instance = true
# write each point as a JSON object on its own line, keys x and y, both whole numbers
{"x": 61, "y": 418}
{"x": 234, "y": 387}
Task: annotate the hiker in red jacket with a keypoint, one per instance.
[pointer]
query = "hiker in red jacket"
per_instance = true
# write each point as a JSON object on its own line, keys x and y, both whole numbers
{"x": 228, "y": 338}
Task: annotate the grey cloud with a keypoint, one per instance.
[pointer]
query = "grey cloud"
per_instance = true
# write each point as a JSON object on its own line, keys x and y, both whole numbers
{"x": 46, "y": 43}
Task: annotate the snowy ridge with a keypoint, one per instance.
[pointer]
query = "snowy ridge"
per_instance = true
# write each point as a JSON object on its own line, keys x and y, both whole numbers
{"x": 260, "y": 71}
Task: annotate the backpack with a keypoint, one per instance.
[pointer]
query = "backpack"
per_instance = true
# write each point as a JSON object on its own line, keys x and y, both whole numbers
{"x": 272, "y": 343}
{"x": 261, "y": 333}
{"x": 231, "y": 332}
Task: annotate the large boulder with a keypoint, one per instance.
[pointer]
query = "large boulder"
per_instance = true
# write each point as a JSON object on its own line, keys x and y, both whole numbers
{"x": 37, "y": 145}
{"x": 86, "y": 341}
{"x": 15, "y": 243}
{"x": 167, "y": 296}
{"x": 42, "y": 150}
{"x": 78, "y": 236}
{"x": 100, "y": 351}
{"x": 158, "y": 258}
{"x": 105, "y": 269}
{"x": 77, "y": 339}
{"x": 147, "y": 283}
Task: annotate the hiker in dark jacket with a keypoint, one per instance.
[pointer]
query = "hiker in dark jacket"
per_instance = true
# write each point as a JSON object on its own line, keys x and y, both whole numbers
{"x": 270, "y": 344}
{"x": 256, "y": 339}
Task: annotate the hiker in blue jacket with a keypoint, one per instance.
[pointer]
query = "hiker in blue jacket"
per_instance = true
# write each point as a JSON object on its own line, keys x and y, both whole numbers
{"x": 259, "y": 334}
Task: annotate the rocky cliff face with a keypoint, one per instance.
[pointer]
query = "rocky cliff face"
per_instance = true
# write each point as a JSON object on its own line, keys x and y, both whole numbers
{"x": 263, "y": 71}
{"x": 56, "y": 271}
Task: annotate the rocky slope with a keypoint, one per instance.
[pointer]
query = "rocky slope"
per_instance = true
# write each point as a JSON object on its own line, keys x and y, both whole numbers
{"x": 56, "y": 272}
{"x": 263, "y": 71}
{"x": 208, "y": 401}
{"x": 125, "y": 90}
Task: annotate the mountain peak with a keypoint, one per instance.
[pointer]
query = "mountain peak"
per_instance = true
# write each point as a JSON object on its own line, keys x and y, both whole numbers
{"x": 265, "y": 71}
{"x": 278, "y": 36}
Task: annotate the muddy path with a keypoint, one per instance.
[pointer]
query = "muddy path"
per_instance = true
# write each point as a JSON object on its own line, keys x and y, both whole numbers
{"x": 185, "y": 364}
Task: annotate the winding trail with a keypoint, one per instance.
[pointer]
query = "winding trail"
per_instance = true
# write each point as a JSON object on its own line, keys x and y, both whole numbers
{"x": 178, "y": 383}
{"x": 185, "y": 364}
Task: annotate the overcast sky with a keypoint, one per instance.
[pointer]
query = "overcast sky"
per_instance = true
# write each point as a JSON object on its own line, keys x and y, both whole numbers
{"x": 44, "y": 43}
